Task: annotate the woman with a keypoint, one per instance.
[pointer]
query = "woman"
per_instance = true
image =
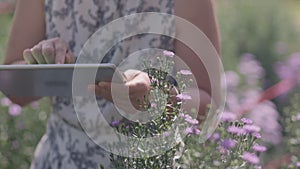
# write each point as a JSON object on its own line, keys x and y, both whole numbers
{"x": 48, "y": 31}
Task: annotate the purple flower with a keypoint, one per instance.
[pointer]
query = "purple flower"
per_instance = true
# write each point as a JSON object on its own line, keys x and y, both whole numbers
{"x": 283, "y": 71}
{"x": 183, "y": 96}
{"x": 166, "y": 134}
{"x": 290, "y": 69}
{"x": 5, "y": 101}
{"x": 294, "y": 61}
{"x": 298, "y": 117}
{"x": 250, "y": 158}
{"x": 259, "y": 148}
{"x": 192, "y": 130}
{"x": 189, "y": 130}
{"x": 153, "y": 105}
{"x": 14, "y": 110}
{"x": 251, "y": 128}
{"x": 266, "y": 117}
{"x": 232, "y": 103}
{"x": 235, "y": 130}
{"x": 214, "y": 137}
{"x": 298, "y": 164}
{"x": 247, "y": 121}
{"x": 182, "y": 115}
{"x": 228, "y": 143}
{"x": 228, "y": 117}
{"x": 256, "y": 135}
{"x": 168, "y": 53}
{"x": 232, "y": 79}
{"x": 192, "y": 121}
{"x": 185, "y": 72}
{"x": 251, "y": 68}
{"x": 115, "y": 123}
{"x": 197, "y": 131}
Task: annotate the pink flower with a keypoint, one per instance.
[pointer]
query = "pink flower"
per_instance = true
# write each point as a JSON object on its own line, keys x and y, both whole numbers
{"x": 189, "y": 130}
{"x": 298, "y": 117}
{"x": 183, "y": 96}
{"x": 283, "y": 70}
{"x": 266, "y": 117}
{"x": 251, "y": 68}
{"x": 247, "y": 121}
{"x": 256, "y": 135}
{"x": 115, "y": 123}
{"x": 14, "y": 110}
{"x": 168, "y": 53}
{"x": 259, "y": 148}
{"x": 228, "y": 117}
{"x": 166, "y": 134}
{"x": 5, "y": 101}
{"x": 251, "y": 128}
{"x": 185, "y": 72}
{"x": 214, "y": 137}
{"x": 197, "y": 131}
{"x": 232, "y": 79}
{"x": 250, "y": 158}
{"x": 153, "y": 105}
{"x": 235, "y": 130}
{"x": 228, "y": 143}
{"x": 289, "y": 69}
{"x": 190, "y": 120}
{"x": 294, "y": 61}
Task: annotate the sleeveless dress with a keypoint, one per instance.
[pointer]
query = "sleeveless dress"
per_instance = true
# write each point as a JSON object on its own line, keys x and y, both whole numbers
{"x": 65, "y": 145}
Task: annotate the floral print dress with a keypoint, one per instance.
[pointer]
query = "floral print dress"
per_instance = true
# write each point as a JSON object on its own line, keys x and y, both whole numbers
{"x": 65, "y": 145}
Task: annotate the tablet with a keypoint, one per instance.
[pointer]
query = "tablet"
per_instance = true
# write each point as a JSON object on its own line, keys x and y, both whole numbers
{"x": 55, "y": 79}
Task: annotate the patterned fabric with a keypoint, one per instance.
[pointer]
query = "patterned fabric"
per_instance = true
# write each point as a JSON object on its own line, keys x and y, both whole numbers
{"x": 65, "y": 145}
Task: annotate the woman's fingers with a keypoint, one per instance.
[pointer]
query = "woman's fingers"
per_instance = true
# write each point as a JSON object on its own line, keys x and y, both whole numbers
{"x": 28, "y": 57}
{"x": 139, "y": 99}
{"x": 48, "y": 52}
{"x": 37, "y": 54}
{"x": 140, "y": 83}
{"x": 134, "y": 94}
{"x": 70, "y": 58}
{"x": 61, "y": 49}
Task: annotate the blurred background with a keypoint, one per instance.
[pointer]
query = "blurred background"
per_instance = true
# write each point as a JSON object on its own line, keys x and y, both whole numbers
{"x": 268, "y": 29}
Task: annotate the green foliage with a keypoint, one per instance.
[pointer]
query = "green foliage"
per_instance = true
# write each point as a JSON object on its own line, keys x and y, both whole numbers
{"x": 255, "y": 27}
{"x": 5, "y": 23}
{"x": 212, "y": 154}
{"x": 291, "y": 130}
{"x": 19, "y": 135}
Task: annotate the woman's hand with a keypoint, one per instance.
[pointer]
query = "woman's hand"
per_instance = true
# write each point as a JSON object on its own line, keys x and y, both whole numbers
{"x": 50, "y": 51}
{"x": 136, "y": 88}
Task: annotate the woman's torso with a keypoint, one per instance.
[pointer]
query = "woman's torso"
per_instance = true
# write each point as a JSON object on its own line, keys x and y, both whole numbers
{"x": 65, "y": 145}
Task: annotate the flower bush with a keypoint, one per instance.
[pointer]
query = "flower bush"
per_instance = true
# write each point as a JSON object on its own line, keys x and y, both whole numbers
{"x": 235, "y": 144}
{"x": 245, "y": 27}
{"x": 20, "y": 131}
{"x": 249, "y": 125}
